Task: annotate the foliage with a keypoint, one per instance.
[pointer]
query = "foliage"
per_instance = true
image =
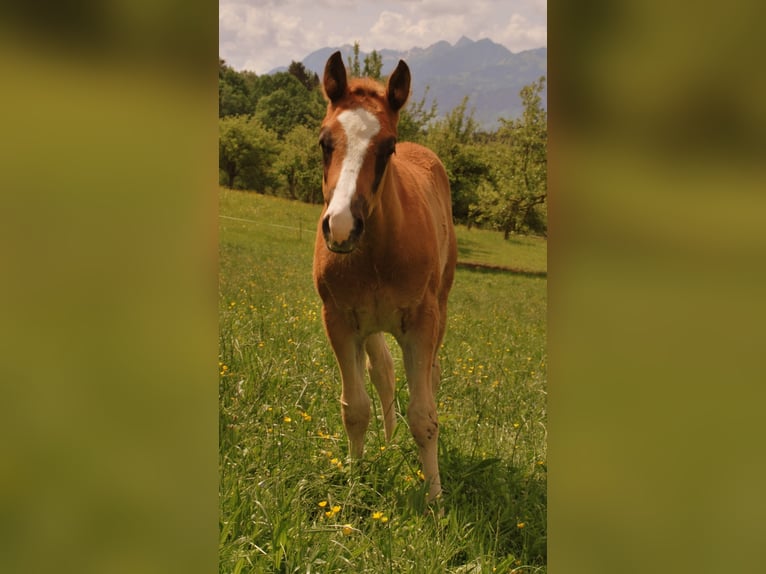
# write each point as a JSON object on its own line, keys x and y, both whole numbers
{"x": 246, "y": 151}
{"x": 353, "y": 62}
{"x": 290, "y": 105}
{"x": 279, "y": 101}
{"x": 373, "y": 64}
{"x": 415, "y": 118}
{"x": 309, "y": 79}
{"x": 235, "y": 91}
{"x": 453, "y": 140}
{"x": 267, "y": 131}
{"x": 290, "y": 501}
{"x": 498, "y": 179}
{"x": 299, "y": 165}
{"x": 517, "y": 202}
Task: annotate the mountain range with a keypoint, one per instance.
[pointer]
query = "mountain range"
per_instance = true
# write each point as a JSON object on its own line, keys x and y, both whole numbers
{"x": 488, "y": 73}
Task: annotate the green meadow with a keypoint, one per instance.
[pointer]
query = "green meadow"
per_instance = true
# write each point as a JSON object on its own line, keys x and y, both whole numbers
{"x": 290, "y": 500}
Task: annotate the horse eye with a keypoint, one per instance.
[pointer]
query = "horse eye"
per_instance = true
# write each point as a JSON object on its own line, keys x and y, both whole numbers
{"x": 325, "y": 142}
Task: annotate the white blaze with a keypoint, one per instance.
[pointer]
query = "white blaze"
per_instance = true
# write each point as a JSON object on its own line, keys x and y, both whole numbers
{"x": 360, "y": 126}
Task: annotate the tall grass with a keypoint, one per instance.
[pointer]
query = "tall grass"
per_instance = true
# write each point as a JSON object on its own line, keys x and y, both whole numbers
{"x": 291, "y": 501}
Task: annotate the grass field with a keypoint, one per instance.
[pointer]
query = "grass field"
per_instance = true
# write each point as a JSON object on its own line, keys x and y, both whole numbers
{"x": 290, "y": 501}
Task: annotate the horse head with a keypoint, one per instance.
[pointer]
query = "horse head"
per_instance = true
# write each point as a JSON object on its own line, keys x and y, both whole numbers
{"x": 358, "y": 138}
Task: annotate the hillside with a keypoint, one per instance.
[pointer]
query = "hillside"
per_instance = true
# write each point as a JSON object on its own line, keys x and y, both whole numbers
{"x": 490, "y": 74}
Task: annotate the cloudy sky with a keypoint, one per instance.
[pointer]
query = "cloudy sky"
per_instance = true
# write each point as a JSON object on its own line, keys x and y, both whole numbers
{"x": 259, "y": 35}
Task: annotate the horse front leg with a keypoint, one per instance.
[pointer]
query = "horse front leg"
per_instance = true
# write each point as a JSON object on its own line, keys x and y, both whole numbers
{"x": 354, "y": 401}
{"x": 381, "y": 369}
{"x": 419, "y": 345}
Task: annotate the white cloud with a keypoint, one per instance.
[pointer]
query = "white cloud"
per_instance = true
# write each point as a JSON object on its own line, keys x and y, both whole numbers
{"x": 519, "y": 34}
{"x": 436, "y": 8}
{"x": 262, "y": 34}
{"x": 399, "y": 31}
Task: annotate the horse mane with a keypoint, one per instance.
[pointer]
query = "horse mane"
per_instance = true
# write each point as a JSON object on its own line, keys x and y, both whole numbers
{"x": 366, "y": 88}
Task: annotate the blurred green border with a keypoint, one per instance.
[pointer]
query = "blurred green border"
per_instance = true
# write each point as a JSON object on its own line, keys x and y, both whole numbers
{"x": 109, "y": 277}
{"x": 657, "y": 240}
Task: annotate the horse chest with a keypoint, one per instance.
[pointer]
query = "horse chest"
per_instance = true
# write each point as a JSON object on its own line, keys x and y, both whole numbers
{"x": 375, "y": 300}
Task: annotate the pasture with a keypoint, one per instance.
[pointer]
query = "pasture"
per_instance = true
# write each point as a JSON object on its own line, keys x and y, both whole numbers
{"x": 290, "y": 501}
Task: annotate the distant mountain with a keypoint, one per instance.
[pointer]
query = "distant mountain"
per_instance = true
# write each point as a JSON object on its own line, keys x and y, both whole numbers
{"x": 490, "y": 74}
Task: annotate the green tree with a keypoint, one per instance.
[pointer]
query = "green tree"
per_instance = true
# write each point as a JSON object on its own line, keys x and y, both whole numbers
{"x": 246, "y": 152}
{"x": 452, "y": 138}
{"x": 522, "y": 176}
{"x": 235, "y": 91}
{"x": 299, "y": 165}
{"x": 373, "y": 64}
{"x": 353, "y": 62}
{"x": 415, "y": 118}
{"x": 289, "y": 104}
{"x": 309, "y": 79}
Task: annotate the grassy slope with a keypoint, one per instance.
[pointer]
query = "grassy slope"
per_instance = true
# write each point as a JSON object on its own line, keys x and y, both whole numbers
{"x": 282, "y": 445}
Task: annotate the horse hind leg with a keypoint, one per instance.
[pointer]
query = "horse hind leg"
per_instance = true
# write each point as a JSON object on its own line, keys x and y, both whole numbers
{"x": 419, "y": 353}
{"x": 436, "y": 376}
{"x": 436, "y": 370}
{"x": 380, "y": 366}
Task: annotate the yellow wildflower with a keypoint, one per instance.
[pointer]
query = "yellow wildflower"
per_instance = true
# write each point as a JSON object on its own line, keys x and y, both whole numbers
{"x": 332, "y": 512}
{"x": 347, "y": 529}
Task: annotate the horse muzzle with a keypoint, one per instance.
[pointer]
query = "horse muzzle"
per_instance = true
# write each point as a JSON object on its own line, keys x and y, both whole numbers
{"x": 336, "y": 241}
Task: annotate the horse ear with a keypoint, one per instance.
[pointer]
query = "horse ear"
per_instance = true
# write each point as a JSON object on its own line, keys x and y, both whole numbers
{"x": 398, "y": 89}
{"x": 335, "y": 82}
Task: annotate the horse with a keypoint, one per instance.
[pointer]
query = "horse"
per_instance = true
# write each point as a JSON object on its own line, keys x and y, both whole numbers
{"x": 384, "y": 256}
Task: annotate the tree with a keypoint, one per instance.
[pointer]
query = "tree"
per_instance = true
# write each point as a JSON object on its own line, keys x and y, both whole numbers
{"x": 453, "y": 141}
{"x": 353, "y": 63}
{"x": 523, "y": 175}
{"x": 246, "y": 152}
{"x": 373, "y": 64}
{"x": 235, "y": 91}
{"x": 289, "y": 104}
{"x": 299, "y": 165}
{"x": 414, "y": 119}
{"x": 309, "y": 79}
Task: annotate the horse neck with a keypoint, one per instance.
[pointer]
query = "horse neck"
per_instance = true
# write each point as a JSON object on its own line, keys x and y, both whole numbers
{"x": 388, "y": 214}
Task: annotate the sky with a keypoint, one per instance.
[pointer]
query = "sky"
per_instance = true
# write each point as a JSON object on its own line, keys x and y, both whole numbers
{"x": 260, "y": 35}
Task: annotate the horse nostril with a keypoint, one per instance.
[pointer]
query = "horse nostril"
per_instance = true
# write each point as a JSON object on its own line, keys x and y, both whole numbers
{"x": 358, "y": 226}
{"x": 326, "y": 226}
